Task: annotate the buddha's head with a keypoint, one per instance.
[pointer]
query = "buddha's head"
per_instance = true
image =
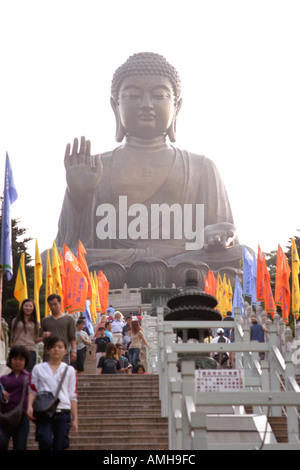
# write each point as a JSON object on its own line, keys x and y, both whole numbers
{"x": 145, "y": 97}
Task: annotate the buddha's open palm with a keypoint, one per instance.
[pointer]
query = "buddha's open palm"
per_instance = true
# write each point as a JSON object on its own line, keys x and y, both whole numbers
{"x": 83, "y": 170}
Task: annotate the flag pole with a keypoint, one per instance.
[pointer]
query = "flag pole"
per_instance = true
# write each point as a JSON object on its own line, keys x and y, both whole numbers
{"x": 1, "y": 290}
{"x": 1, "y": 285}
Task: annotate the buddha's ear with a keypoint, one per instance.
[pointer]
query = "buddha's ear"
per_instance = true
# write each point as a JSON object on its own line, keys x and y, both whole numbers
{"x": 120, "y": 131}
{"x": 172, "y": 129}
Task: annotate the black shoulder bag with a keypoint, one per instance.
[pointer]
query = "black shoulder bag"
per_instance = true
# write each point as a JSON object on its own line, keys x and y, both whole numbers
{"x": 45, "y": 403}
{"x": 13, "y": 418}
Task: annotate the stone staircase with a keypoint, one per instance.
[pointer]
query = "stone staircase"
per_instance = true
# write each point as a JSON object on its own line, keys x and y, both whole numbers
{"x": 279, "y": 423}
{"x": 117, "y": 412}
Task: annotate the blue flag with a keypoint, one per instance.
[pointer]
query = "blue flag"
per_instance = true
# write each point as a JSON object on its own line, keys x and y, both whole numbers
{"x": 87, "y": 315}
{"x": 238, "y": 301}
{"x": 254, "y": 279}
{"x": 9, "y": 196}
{"x": 247, "y": 272}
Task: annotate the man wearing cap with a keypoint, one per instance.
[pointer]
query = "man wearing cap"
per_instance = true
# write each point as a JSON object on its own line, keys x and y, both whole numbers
{"x": 220, "y": 338}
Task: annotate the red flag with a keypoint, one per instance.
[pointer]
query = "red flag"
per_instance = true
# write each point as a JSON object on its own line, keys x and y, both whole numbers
{"x": 84, "y": 267}
{"x": 282, "y": 286}
{"x": 103, "y": 285}
{"x": 210, "y": 284}
{"x": 76, "y": 283}
{"x": 260, "y": 275}
{"x": 263, "y": 288}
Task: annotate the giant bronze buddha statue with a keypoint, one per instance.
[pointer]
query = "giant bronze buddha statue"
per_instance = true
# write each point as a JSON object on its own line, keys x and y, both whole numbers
{"x": 118, "y": 203}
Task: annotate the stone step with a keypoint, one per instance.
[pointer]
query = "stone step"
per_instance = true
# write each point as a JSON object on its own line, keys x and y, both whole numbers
{"x": 149, "y": 410}
{"x": 115, "y": 446}
{"x": 94, "y": 405}
{"x": 125, "y": 419}
{"x": 127, "y": 395}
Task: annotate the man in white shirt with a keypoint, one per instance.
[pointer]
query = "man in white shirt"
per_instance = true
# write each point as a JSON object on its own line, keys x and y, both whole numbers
{"x": 223, "y": 357}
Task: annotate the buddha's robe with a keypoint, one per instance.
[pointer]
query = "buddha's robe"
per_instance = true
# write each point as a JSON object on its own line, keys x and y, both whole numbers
{"x": 192, "y": 179}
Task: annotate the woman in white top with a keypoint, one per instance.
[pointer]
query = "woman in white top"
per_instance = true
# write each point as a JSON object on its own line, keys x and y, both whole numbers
{"x": 54, "y": 433}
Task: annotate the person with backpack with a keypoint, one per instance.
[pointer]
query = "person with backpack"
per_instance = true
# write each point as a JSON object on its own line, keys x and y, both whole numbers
{"x": 222, "y": 357}
{"x": 109, "y": 363}
{"x": 228, "y": 317}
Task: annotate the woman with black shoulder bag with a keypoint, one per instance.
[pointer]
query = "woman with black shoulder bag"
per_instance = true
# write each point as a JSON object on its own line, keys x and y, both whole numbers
{"x": 52, "y": 431}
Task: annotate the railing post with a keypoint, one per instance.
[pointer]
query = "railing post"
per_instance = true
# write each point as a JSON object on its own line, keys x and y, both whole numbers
{"x": 175, "y": 421}
{"x": 171, "y": 395}
{"x": 199, "y": 440}
{"x": 237, "y": 336}
{"x": 188, "y": 390}
{"x": 160, "y": 347}
{"x": 274, "y": 379}
{"x": 167, "y": 346}
{"x": 291, "y": 411}
{"x": 265, "y": 381}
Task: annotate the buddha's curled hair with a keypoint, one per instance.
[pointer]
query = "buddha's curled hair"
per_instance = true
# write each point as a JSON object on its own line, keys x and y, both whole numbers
{"x": 146, "y": 63}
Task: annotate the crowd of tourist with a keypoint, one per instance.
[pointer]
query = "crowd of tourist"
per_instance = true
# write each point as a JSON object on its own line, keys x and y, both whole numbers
{"x": 116, "y": 346}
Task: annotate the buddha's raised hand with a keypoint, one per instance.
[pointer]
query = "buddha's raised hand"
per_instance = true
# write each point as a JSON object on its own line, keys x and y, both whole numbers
{"x": 219, "y": 235}
{"x": 83, "y": 170}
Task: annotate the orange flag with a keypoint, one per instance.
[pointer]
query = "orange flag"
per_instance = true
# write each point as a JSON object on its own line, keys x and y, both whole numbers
{"x": 56, "y": 262}
{"x": 282, "y": 285}
{"x": 76, "y": 283}
{"x": 63, "y": 281}
{"x": 263, "y": 288}
{"x": 84, "y": 267}
{"x": 103, "y": 290}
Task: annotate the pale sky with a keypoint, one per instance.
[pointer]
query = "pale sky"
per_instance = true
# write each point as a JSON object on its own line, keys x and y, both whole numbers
{"x": 240, "y": 71}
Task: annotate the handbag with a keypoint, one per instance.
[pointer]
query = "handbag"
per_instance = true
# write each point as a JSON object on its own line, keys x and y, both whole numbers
{"x": 46, "y": 403}
{"x": 13, "y": 418}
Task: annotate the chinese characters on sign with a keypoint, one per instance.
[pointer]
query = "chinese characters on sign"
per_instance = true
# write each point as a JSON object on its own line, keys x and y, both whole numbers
{"x": 219, "y": 380}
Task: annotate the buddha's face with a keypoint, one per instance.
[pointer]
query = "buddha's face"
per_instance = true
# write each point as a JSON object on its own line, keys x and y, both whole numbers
{"x": 146, "y": 105}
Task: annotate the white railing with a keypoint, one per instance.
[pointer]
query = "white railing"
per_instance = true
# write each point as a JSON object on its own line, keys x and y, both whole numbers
{"x": 270, "y": 385}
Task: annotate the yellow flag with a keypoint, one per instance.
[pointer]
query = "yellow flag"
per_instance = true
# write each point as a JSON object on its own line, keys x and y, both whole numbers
{"x": 49, "y": 284}
{"x": 38, "y": 280}
{"x": 98, "y": 303}
{"x": 93, "y": 299}
{"x": 219, "y": 290}
{"x": 20, "y": 291}
{"x": 224, "y": 297}
{"x": 56, "y": 277}
{"x": 295, "y": 280}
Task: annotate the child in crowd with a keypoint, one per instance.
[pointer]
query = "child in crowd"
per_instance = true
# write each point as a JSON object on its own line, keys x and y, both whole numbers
{"x": 82, "y": 341}
{"x": 12, "y": 390}
{"x": 100, "y": 344}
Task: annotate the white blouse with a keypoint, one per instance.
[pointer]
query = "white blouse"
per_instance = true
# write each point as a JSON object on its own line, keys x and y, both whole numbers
{"x": 43, "y": 379}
